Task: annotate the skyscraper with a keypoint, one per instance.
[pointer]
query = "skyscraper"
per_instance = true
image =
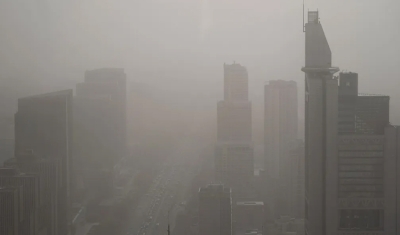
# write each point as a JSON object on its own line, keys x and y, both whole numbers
{"x": 100, "y": 116}
{"x": 280, "y": 135}
{"x": 321, "y": 112}
{"x": 234, "y": 163}
{"x": 352, "y": 151}
{"x": 215, "y": 210}
{"x": 367, "y": 156}
{"x": 43, "y": 127}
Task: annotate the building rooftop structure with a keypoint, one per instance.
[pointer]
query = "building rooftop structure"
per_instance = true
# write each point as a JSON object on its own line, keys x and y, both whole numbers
{"x": 250, "y": 203}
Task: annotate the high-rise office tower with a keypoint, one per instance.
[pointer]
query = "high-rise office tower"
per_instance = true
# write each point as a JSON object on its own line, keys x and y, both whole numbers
{"x": 321, "y": 112}
{"x": 236, "y": 83}
{"x": 48, "y": 172}
{"x": 100, "y": 116}
{"x": 280, "y": 124}
{"x": 234, "y": 163}
{"x": 352, "y": 151}
{"x": 215, "y": 210}
{"x": 43, "y": 127}
{"x": 368, "y": 162}
{"x": 280, "y": 135}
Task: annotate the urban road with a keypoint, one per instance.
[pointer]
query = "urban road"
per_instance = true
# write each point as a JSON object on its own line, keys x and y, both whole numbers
{"x": 162, "y": 202}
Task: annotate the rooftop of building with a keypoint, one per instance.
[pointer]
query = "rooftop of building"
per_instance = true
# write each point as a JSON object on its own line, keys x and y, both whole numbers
{"x": 373, "y": 95}
{"x": 8, "y": 171}
{"x": 8, "y": 189}
{"x": 235, "y": 144}
{"x": 67, "y": 92}
{"x": 281, "y": 83}
{"x": 250, "y": 203}
{"x": 106, "y": 70}
{"x": 215, "y": 187}
{"x": 234, "y": 65}
{"x": 253, "y": 232}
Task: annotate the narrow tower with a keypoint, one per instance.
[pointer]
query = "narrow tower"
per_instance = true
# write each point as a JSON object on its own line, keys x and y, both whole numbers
{"x": 321, "y": 107}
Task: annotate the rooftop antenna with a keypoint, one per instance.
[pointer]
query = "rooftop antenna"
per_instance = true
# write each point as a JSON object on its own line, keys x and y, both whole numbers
{"x": 303, "y": 18}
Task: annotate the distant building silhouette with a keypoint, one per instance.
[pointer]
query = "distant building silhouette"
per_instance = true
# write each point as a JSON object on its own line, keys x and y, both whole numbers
{"x": 280, "y": 135}
{"x": 43, "y": 145}
{"x": 248, "y": 215}
{"x": 234, "y": 158}
{"x": 100, "y": 115}
{"x": 321, "y": 114}
{"x": 100, "y": 124}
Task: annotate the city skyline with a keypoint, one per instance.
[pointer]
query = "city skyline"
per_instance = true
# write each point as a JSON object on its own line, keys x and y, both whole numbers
{"x": 199, "y": 118}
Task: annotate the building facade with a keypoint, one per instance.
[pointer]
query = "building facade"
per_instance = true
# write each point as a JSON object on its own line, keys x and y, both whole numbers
{"x": 280, "y": 124}
{"x": 100, "y": 125}
{"x": 43, "y": 127}
{"x": 11, "y": 206}
{"x": 29, "y": 183}
{"x": 351, "y": 157}
{"x": 296, "y": 202}
{"x": 248, "y": 215}
{"x": 321, "y": 114}
{"x": 280, "y": 135}
{"x": 234, "y": 157}
{"x": 215, "y": 210}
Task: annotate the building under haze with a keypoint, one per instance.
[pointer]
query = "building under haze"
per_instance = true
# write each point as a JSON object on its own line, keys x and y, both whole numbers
{"x": 100, "y": 127}
{"x": 248, "y": 215}
{"x": 280, "y": 135}
{"x": 296, "y": 183}
{"x": 100, "y": 116}
{"x": 215, "y": 210}
{"x": 351, "y": 150}
{"x": 43, "y": 145}
{"x": 321, "y": 111}
{"x": 28, "y": 214}
{"x": 234, "y": 160}
{"x": 11, "y": 206}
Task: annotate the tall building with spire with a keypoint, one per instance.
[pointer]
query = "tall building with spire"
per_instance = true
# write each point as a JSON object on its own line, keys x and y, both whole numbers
{"x": 321, "y": 112}
{"x": 352, "y": 179}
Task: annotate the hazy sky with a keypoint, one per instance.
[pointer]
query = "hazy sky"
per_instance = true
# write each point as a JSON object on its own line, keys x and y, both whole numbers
{"x": 181, "y": 45}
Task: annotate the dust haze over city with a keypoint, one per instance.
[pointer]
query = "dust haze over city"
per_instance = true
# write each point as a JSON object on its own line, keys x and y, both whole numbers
{"x": 199, "y": 117}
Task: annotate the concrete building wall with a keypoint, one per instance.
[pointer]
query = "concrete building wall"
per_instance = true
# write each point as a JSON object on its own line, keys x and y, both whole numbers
{"x": 234, "y": 163}
{"x": 234, "y": 121}
{"x": 43, "y": 125}
{"x": 280, "y": 124}
{"x": 390, "y": 185}
{"x": 215, "y": 210}
{"x": 236, "y": 83}
{"x": 314, "y": 142}
{"x": 248, "y": 215}
{"x": 280, "y": 135}
{"x": 331, "y": 162}
{"x": 10, "y": 208}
